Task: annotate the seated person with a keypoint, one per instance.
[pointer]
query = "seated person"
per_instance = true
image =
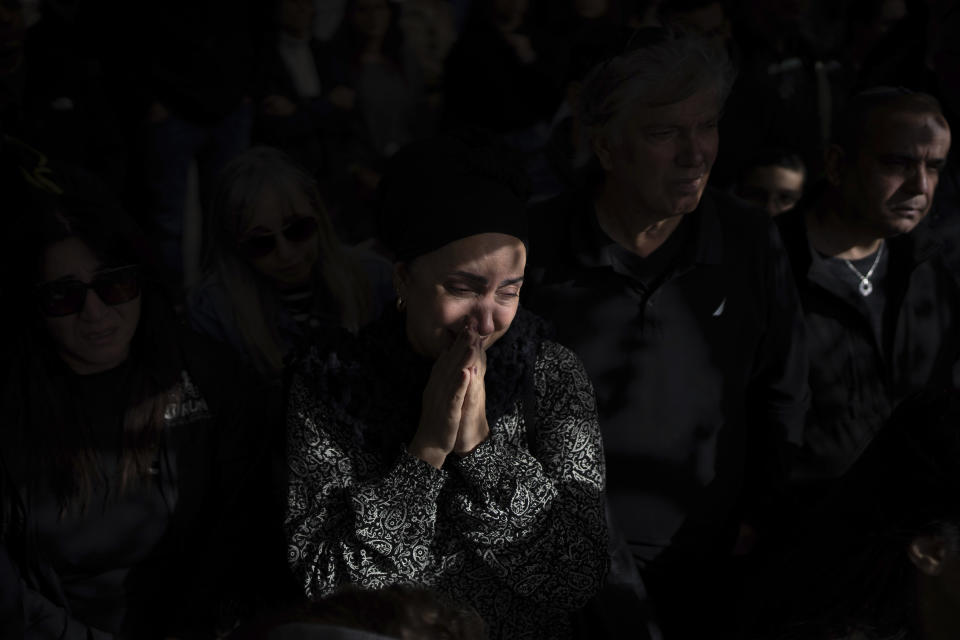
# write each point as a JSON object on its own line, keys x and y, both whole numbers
{"x": 122, "y": 459}
{"x": 772, "y": 180}
{"x": 450, "y": 445}
{"x": 275, "y": 276}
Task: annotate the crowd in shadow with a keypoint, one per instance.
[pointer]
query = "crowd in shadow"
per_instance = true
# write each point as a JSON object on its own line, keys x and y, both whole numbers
{"x": 480, "y": 319}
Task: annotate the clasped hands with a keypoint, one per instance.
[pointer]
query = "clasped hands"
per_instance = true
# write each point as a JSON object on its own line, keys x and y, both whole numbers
{"x": 453, "y": 417}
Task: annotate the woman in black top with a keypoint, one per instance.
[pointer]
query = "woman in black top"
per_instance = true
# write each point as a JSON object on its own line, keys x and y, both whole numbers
{"x": 123, "y": 446}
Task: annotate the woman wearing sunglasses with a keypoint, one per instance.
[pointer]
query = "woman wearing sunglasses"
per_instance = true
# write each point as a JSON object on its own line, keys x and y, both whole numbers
{"x": 275, "y": 276}
{"x": 124, "y": 450}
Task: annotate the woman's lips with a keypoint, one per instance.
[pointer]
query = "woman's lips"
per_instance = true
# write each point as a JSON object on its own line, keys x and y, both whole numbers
{"x": 101, "y": 337}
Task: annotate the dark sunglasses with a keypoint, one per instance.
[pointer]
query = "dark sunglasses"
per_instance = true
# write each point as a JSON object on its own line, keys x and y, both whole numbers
{"x": 66, "y": 297}
{"x": 262, "y": 244}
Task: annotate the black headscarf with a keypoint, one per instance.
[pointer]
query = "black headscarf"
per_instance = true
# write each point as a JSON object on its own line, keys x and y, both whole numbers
{"x": 436, "y": 191}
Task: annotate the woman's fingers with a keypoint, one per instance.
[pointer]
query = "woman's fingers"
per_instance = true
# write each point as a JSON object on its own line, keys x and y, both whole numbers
{"x": 453, "y": 398}
{"x": 459, "y": 395}
{"x": 473, "y": 427}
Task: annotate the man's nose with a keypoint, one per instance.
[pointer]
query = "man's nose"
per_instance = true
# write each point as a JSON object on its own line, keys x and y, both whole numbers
{"x": 918, "y": 181}
{"x": 690, "y": 153}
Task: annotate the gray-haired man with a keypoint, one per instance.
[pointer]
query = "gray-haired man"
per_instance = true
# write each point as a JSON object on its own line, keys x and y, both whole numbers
{"x": 682, "y": 307}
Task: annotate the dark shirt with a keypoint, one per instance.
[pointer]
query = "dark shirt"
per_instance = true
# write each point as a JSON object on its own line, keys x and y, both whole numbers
{"x": 873, "y": 304}
{"x": 855, "y": 379}
{"x": 697, "y": 363}
{"x": 85, "y": 549}
{"x": 160, "y": 558}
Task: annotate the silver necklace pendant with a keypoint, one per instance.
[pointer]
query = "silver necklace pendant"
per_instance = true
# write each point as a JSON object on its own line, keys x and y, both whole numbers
{"x": 865, "y": 286}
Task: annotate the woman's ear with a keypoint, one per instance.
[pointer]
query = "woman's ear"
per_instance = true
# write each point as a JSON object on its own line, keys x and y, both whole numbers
{"x": 927, "y": 553}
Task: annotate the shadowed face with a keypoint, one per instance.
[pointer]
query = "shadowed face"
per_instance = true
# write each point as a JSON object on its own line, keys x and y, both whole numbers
{"x": 97, "y": 337}
{"x": 888, "y": 187}
{"x": 664, "y": 158}
{"x": 773, "y": 188}
{"x": 296, "y": 17}
{"x": 371, "y": 18}
{"x": 709, "y": 21}
{"x": 280, "y": 240}
{"x": 475, "y": 280}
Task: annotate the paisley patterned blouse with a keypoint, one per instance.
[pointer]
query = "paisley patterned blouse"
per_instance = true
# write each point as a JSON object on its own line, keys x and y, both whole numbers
{"x": 516, "y": 528}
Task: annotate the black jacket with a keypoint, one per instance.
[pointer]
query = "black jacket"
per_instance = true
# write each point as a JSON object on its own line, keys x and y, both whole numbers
{"x": 855, "y": 382}
{"x": 217, "y": 540}
{"x": 700, "y": 374}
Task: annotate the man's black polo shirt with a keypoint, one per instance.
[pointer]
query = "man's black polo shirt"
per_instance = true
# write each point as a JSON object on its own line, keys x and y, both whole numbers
{"x": 698, "y": 364}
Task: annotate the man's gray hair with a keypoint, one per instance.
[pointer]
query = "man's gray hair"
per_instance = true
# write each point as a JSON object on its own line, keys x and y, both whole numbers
{"x": 663, "y": 67}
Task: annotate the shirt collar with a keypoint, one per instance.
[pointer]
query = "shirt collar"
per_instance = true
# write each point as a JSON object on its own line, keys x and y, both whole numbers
{"x": 916, "y": 247}
{"x": 592, "y": 246}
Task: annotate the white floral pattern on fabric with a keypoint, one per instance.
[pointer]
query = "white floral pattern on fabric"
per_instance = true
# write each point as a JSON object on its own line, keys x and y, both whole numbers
{"x": 515, "y": 529}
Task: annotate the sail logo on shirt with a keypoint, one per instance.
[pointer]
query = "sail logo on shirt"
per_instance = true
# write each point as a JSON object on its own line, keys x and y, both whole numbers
{"x": 719, "y": 310}
{"x": 187, "y": 404}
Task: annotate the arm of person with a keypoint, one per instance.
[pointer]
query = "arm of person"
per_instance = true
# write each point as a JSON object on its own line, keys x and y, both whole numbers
{"x": 345, "y": 524}
{"x": 26, "y": 613}
{"x": 44, "y": 619}
{"x": 536, "y": 516}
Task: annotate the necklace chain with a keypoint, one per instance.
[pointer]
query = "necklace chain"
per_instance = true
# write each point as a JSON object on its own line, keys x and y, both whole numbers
{"x": 866, "y": 287}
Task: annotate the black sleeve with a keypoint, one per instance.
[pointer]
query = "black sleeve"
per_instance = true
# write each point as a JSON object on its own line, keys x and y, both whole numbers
{"x": 778, "y": 397}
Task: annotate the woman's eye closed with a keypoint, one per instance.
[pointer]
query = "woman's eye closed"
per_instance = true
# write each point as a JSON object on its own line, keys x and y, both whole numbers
{"x": 459, "y": 289}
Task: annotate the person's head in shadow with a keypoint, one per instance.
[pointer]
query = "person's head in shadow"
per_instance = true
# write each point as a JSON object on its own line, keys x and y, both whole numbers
{"x": 772, "y": 180}
{"x": 652, "y": 113}
{"x": 294, "y": 18}
{"x": 884, "y": 163}
{"x": 706, "y": 18}
{"x": 404, "y": 612}
{"x": 370, "y": 32}
{"x": 269, "y": 246}
{"x": 887, "y": 542}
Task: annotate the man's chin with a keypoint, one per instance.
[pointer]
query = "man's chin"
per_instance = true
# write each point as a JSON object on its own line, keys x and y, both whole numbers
{"x": 902, "y": 225}
{"x": 685, "y": 206}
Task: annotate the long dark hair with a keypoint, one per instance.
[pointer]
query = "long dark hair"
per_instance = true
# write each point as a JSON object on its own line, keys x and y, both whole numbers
{"x": 46, "y": 425}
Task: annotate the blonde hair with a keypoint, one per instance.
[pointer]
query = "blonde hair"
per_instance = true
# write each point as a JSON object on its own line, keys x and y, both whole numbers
{"x": 253, "y": 298}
